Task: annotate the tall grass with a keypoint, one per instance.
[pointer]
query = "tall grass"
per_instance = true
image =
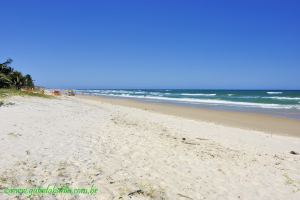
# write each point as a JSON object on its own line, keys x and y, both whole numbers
{"x": 14, "y": 92}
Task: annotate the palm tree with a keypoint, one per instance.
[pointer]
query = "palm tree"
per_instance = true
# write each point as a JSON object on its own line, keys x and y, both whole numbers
{"x": 4, "y": 81}
{"x": 28, "y": 82}
{"x": 5, "y": 68}
{"x": 5, "y": 71}
{"x": 17, "y": 79}
{"x": 11, "y": 78}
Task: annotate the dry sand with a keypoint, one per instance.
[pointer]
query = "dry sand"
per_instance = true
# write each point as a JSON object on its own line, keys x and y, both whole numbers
{"x": 120, "y": 150}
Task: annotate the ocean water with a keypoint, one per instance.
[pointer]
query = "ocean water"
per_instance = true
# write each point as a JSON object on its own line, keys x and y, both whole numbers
{"x": 284, "y": 103}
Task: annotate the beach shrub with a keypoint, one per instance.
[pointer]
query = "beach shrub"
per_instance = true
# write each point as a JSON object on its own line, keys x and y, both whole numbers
{"x": 10, "y": 78}
{"x": 8, "y": 92}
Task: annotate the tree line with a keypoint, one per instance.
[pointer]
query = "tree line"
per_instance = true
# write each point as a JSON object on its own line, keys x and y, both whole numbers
{"x": 11, "y": 78}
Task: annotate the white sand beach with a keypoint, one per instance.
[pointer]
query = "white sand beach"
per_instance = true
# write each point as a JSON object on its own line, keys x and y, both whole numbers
{"x": 132, "y": 153}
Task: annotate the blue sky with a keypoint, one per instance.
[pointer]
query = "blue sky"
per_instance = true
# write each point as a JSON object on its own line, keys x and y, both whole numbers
{"x": 204, "y": 44}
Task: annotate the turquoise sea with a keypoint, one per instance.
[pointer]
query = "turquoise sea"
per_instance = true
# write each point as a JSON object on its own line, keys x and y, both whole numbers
{"x": 284, "y": 103}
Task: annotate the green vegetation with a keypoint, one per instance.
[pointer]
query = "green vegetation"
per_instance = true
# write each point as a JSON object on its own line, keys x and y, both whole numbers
{"x": 14, "y": 92}
{"x": 11, "y": 78}
{"x": 14, "y": 83}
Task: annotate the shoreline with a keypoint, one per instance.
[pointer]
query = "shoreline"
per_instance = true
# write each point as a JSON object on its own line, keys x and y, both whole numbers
{"x": 245, "y": 120}
{"x": 278, "y": 104}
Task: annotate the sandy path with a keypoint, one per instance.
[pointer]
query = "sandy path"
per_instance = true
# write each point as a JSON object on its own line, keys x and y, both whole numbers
{"x": 121, "y": 150}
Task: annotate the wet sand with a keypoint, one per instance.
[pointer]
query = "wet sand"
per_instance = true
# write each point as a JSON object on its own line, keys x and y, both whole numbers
{"x": 252, "y": 121}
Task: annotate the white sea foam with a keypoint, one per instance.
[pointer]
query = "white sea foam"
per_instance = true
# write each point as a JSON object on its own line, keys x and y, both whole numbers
{"x": 245, "y": 97}
{"x": 284, "y": 98}
{"x": 274, "y": 92}
{"x": 198, "y": 94}
{"x": 159, "y": 96}
{"x": 214, "y": 102}
{"x": 155, "y": 93}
